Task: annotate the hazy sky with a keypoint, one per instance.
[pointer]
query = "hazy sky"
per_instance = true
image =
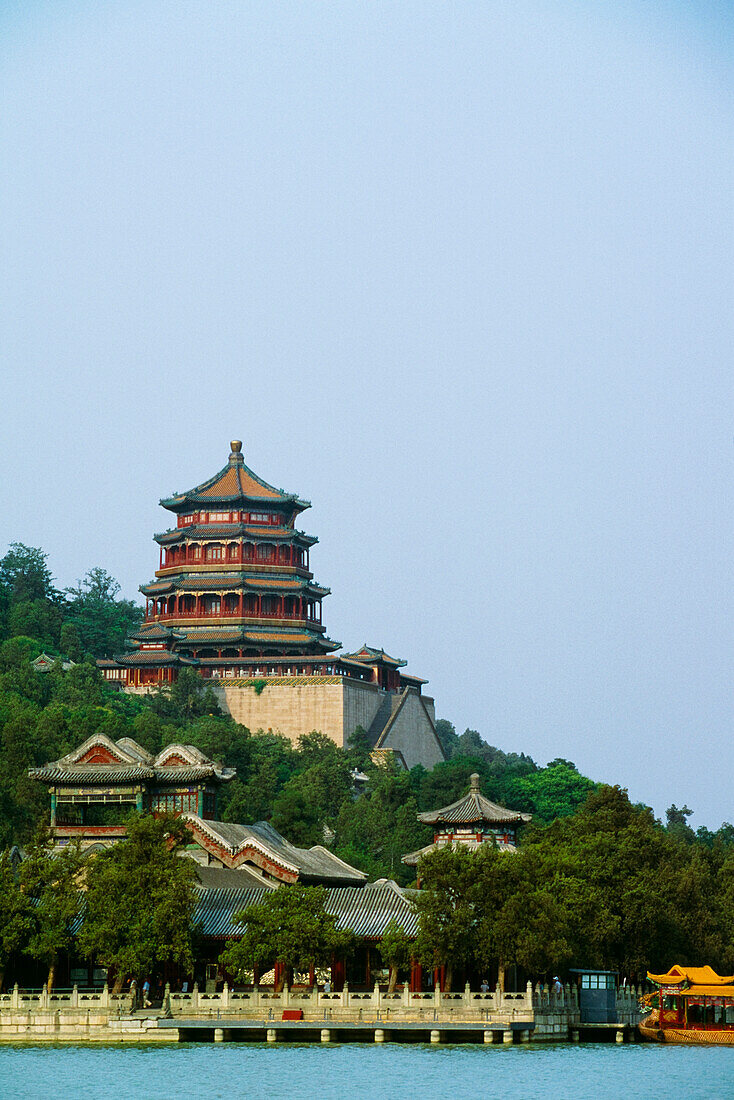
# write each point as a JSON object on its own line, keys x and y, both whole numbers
{"x": 461, "y": 274}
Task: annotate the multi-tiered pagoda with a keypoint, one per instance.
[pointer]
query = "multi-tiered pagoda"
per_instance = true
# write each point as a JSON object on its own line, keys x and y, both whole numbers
{"x": 233, "y": 589}
{"x": 234, "y": 597}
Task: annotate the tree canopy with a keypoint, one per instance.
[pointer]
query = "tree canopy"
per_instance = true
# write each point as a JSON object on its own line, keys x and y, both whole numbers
{"x": 290, "y": 927}
{"x": 140, "y": 900}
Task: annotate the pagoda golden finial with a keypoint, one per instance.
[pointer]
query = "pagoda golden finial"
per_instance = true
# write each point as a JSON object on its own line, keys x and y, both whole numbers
{"x": 236, "y": 446}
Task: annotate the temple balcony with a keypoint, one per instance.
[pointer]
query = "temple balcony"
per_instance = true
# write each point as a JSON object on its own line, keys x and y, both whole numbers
{"x": 224, "y": 567}
{"x": 190, "y": 619}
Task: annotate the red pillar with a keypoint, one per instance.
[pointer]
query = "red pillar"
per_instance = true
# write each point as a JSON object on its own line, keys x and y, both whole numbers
{"x": 416, "y": 976}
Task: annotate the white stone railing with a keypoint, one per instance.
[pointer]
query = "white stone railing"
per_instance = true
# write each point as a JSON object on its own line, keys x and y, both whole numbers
{"x": 375, "y": 1000}
{"x": 31, "y": 1000}
{"x": 546, "y": 1002}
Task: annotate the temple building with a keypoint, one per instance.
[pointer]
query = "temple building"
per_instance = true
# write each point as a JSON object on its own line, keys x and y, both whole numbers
{"x": 96, "y": 786}
{"x": 234, "y": 598}
{"x": 471, "y": 821}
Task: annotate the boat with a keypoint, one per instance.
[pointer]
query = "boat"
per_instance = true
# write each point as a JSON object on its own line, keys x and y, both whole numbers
{"x": 692, "y": 1004}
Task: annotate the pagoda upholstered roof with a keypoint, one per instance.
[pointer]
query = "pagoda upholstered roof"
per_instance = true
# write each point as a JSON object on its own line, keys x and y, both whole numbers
{"x": 366, "y": 911}
{"x": 367, "y": 655}
{"x": 235, "y": 483}
{"x": 231, "y": 531}
{"x": 472, "y": 809}
{"x": 315, "y": 864}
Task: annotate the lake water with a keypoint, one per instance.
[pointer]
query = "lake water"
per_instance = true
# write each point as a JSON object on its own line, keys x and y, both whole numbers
{"x": 566, "y": 1072}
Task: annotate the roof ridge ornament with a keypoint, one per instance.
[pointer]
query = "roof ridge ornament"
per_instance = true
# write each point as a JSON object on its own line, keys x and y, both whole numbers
{"x": 474, "y": 781}
{"x": 235, "y": 456}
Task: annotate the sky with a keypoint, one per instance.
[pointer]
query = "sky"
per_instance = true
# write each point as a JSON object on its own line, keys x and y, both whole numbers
{"x": 459, "y": 274}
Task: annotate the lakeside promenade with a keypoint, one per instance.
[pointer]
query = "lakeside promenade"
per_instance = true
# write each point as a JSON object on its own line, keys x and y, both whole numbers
{"x": 309, "y": 1015}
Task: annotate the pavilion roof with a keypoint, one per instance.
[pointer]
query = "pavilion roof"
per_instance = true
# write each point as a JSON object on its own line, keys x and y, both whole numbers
{"x": 222, "y": 582}
{"x": 233, "y": 484}
{"x": 368, "y": 655}
{"x": 472, "y": 809}
{"x": 694, "y": 975}
{"x": 99, "y": 759}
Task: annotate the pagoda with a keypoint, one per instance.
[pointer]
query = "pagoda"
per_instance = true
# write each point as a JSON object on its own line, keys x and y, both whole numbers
{"x": 235, "y": 599}
{"x": 470, "y": 822}
{"x": 233, "y": 588}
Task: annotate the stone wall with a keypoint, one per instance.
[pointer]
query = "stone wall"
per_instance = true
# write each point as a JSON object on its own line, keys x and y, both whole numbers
{"x": 291, "y": 705}
{"x": 334, "y": 705}
{"x": 412, "y": 733}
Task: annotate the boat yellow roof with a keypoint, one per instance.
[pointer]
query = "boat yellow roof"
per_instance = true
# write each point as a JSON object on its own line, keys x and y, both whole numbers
{"x": 694, "y": 975}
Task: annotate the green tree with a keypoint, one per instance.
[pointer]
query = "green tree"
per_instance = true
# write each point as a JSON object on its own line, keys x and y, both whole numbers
{"x": 557, "y": 790}
{"x": 448, "y": 917}
{"x": 24, "y": 575}
{"x": 102, "y": 621}
{"x": 140, "y": 901}
{"x": 40, "y": 619}
{"x": 377, "y": 829}
{"x": 16, "y": 919}
{"x": 447, "y": 735}
{"x": 52, "y": 878}
{"x": 70, "y": 643}
{"x": 395, "y": 948}
{"x": 188, "y": 698}
{"x": 291, "y": 927}
{"x": 312, "y": 798}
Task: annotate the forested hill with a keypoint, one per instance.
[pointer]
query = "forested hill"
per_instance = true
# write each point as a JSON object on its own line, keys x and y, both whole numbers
{"x": 307, "y": 791}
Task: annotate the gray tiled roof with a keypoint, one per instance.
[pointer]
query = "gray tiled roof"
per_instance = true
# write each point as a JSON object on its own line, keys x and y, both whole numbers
{"x": 472, "y": 809}
{"x": 366, "y": 910}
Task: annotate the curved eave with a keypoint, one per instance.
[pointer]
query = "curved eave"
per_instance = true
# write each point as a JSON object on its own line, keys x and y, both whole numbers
{"x": 234, "y": 530}
{"x": 216, "y": 582}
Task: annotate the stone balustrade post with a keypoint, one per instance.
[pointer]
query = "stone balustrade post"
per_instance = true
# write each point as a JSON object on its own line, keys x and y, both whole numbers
{"x": 15, "y": 997}
{"x": 345, "y": 995}
{"x": 225, "y": 995}
{"x": 43, "y": 1002}
{"x": 498, "y": 998}
{"x": 75, "y": 996}
{"x": 376, "y": 995}
{"x": 529, "y": 995}
{"x": 466, "y": 999}
{"x": 104, "y": 999}
{"x": 255, "y": 996}
{"x": 195, "y": 998}
{"x": 285, "y": 995}
{"x": 437, "y": 995}
{"x": 406, "y": 994}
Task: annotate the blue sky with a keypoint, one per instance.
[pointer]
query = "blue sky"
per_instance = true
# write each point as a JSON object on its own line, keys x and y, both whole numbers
{"x": 461, "y": 275}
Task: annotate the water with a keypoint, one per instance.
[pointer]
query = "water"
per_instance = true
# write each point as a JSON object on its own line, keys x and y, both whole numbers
{"x": 557, "y": 1072}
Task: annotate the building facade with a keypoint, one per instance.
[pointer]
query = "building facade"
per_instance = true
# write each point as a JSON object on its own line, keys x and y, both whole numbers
{"x": 234, "y": 598}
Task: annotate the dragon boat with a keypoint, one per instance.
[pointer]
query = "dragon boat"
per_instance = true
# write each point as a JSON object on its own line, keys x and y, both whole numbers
{"x": 692, "y": 1004}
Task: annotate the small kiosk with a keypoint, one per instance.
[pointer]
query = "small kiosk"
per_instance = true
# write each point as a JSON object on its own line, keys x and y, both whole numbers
{"x": 597, "y": 996}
